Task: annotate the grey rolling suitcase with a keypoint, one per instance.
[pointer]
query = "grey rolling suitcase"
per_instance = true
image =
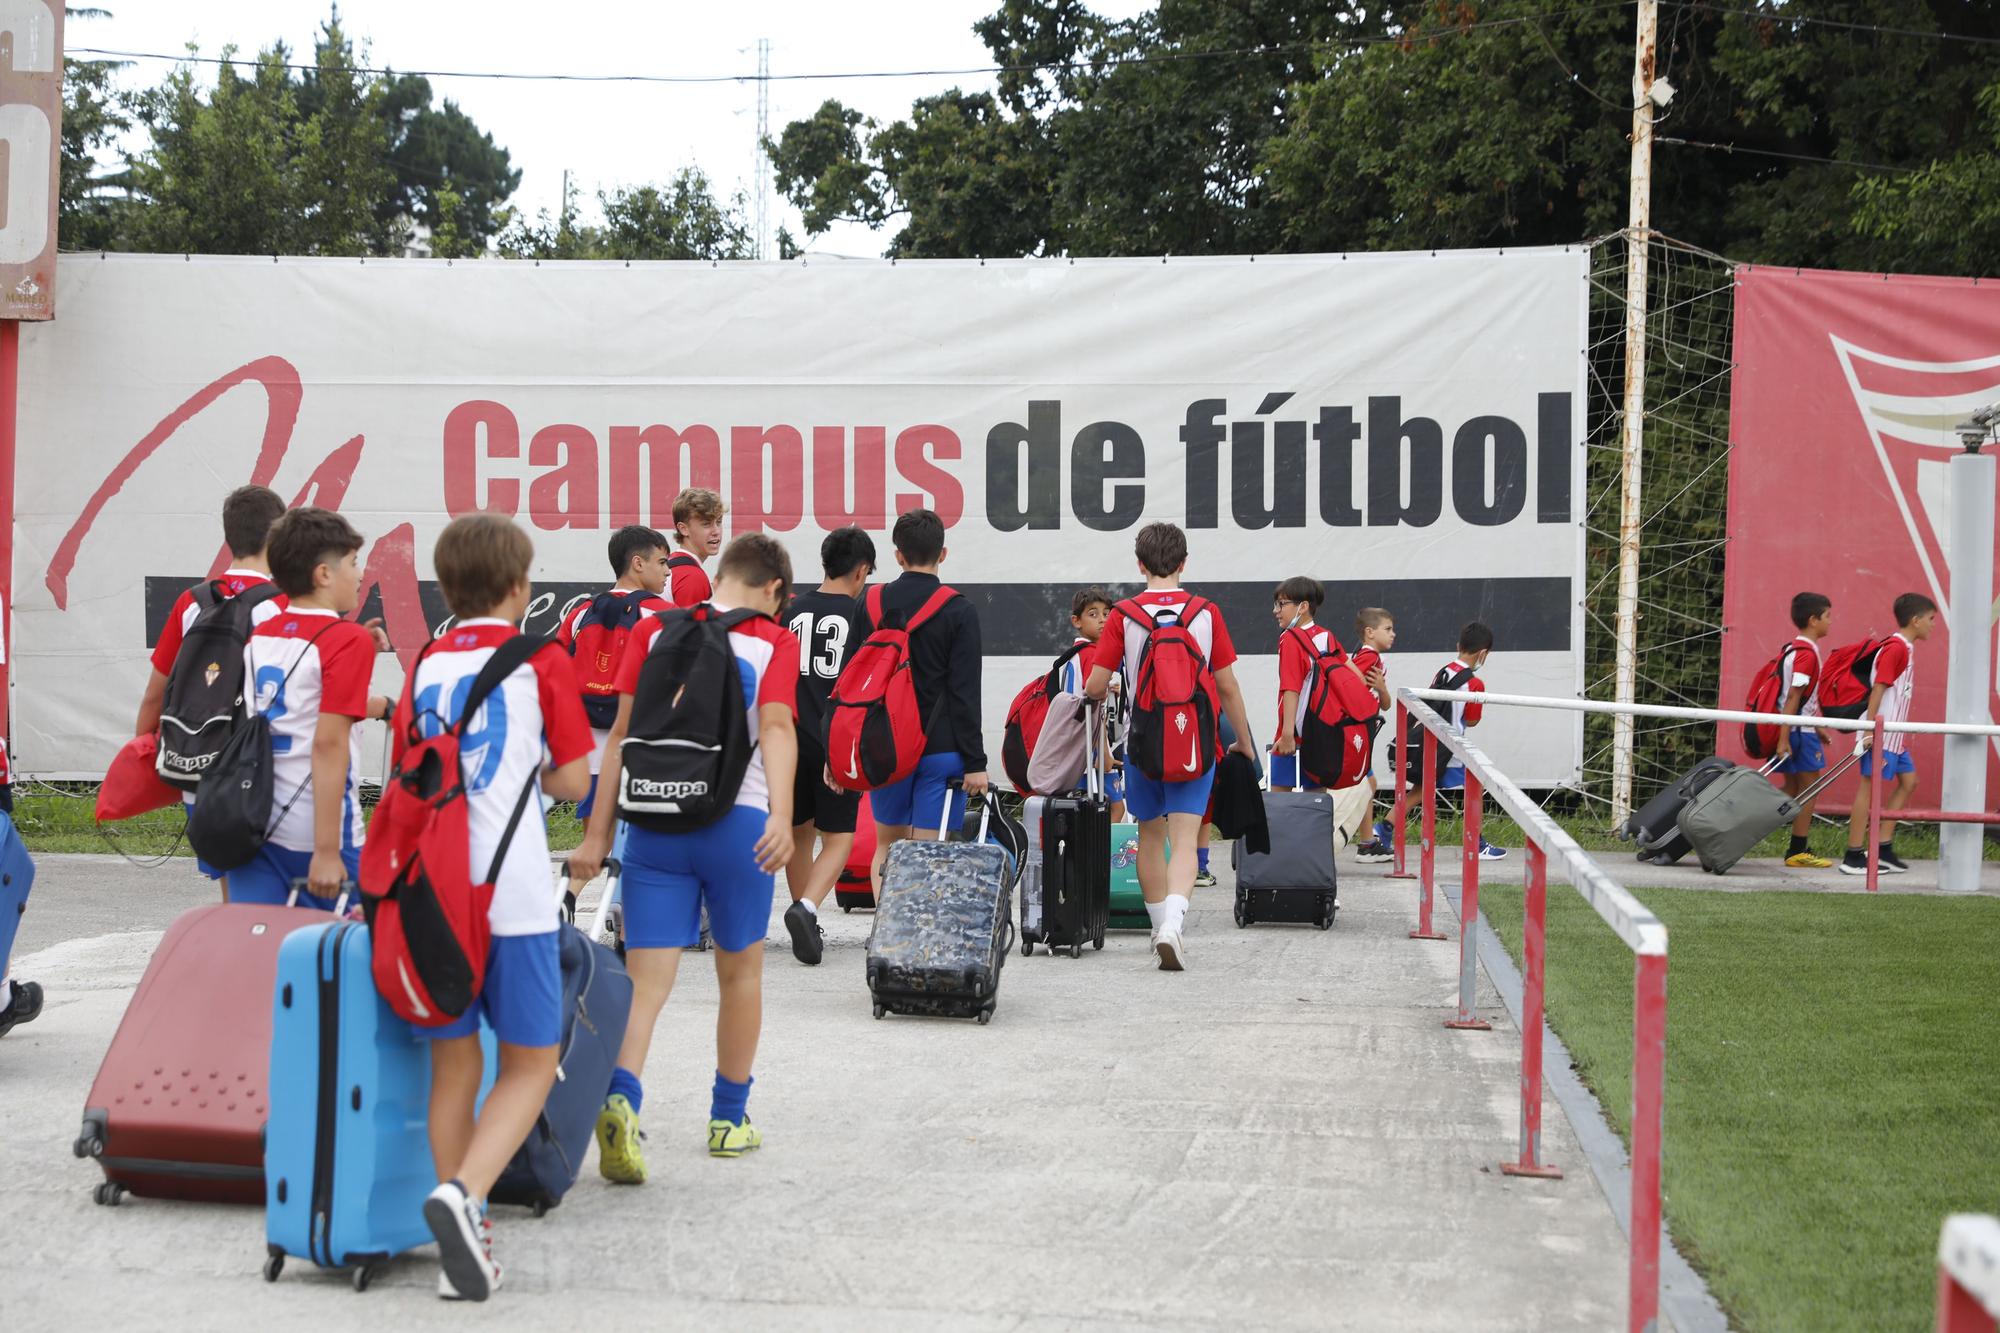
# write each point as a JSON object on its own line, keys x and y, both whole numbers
{"x": 1738, "y": 810}
{"x": 1294, "y": 881}
{"x": 943, "y": 927}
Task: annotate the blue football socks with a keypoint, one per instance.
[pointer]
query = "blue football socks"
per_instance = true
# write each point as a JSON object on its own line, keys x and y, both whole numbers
{"x": 626, "y": 1084}
{"x": 730, "y": 1101}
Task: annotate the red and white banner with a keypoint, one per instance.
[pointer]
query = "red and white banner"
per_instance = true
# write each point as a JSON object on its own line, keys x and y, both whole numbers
{"x": 1846, "y": 390}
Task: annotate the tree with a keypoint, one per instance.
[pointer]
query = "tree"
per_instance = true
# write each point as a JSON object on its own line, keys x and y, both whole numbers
{"x": 1944, "y": 218}
{"x": 91, "y": 122}
{"x": 247, "y": 169}
{"x": 434, "y": 150}
{"x": 679, "y": 220}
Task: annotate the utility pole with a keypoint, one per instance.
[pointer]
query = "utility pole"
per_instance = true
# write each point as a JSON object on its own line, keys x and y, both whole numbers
{"x": 761, "y": 195}
{"x": 1638, "y": 230}
{"x": 1968, "y": 697}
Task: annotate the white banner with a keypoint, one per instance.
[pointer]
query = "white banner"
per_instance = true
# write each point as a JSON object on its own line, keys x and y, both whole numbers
{"x": 1406, "y": 428}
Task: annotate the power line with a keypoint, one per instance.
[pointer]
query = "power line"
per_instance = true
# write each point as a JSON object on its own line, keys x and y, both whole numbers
{"x": 1774, "y": 16}
{"x": 1790, "y": 157}
{"x": 1083, "y": 65}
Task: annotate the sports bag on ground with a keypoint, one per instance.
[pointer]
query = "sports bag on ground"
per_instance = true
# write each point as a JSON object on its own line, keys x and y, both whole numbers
{"x": 1410, "y": 750}
{"x": 688, "y": 743}
{"x": 595, "y": 647}
{"x": 204, "y": 696}
{"x": 875, "y": 732}
{"x": 426, "y": 914}
{"x": 1334, "y": 735}
{"x": 1848, "y": 676}
{"x": 1025, "y": 717}
{"x": 1174, "y": 707}
{"x": 232, "y": 818}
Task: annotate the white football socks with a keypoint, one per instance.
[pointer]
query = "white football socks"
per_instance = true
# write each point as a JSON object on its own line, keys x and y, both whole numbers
{"x": 1158, "y": 913}
{"x": 1176, "y": 907}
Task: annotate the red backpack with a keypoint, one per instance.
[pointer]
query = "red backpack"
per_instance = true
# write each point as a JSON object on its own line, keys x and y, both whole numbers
{"x": 1847, "y": 677}
{"x": 1335, "y": 735}
{"x": 596, "y": 642}
{"x": 1767, "y": 695}
{"x": 426, "y": 915}
{"x": 1025, "y": 717}
{"x": 875, "y": 733}
{"x": 1172, "y": 736}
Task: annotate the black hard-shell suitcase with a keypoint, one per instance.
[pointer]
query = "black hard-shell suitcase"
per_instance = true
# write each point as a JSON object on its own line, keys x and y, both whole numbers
{"x": 1075, "y": 865}
{"x": 943, "y": 927}
{"x": 1654, "y": 824}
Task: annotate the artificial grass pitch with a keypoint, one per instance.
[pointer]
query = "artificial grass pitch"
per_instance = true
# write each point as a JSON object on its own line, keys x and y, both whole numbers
{"x": 1832, "y": 1085}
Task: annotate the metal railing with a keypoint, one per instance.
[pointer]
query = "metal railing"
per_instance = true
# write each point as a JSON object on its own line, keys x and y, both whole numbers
{"x": 1875, "y": 727}
{"x": 1968, "y": 1298}
{"x": 1642, "y": 932}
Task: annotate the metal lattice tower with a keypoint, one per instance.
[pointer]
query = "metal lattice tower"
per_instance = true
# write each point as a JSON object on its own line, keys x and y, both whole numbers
{"x": 761, "y": 191}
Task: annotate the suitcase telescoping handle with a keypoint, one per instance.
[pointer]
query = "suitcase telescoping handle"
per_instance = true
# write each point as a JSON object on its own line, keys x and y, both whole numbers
{"x": 1813, "y": 791}
{"x": 613, "y": 869}
{"x": 347, "y": 888}
{"x": 944, "y": 816}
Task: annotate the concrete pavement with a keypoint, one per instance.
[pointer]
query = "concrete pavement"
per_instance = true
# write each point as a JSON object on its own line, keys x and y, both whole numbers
{"x": 1282, "y": 1137}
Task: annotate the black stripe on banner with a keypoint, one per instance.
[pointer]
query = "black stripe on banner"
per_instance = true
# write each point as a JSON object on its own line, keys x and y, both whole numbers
{"x": 1032, "y": 619}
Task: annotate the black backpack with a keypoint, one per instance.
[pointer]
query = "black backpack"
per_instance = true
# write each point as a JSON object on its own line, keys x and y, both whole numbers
{"x": 688, "y": 743}
{"x": 232, "y": 819}
{"x": 1411, "y": 753}
{"x": 204, "y": 696}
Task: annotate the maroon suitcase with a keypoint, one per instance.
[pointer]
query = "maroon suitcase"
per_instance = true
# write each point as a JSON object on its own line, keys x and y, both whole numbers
{"x": 179, "y": 1104}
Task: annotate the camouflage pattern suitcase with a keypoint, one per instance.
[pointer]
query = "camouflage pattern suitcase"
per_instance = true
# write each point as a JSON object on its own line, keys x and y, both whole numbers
{"x": 943, "y": 927}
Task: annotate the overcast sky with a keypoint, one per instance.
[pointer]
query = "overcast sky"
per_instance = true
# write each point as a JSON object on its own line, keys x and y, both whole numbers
{"x": 609, "y": 135}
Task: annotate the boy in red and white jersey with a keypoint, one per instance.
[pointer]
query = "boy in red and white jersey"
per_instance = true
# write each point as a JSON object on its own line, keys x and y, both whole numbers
{"x": 1169, "y": 814}
{"x": 247, "y": 515}
{"x": 1375, "y": 631}
{"x": 1893, "y": 683}
{"x": 482, "y": 563}
{"x": 307, "y": 668}
{"x": 726, "y": 867}
{"x": 1801, "y": 754}
{"x": 1295, "y": 604}
{"x": 697, "y": 536}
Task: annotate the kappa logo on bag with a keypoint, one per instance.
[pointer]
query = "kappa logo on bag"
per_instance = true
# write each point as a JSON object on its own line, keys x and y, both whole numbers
{"x": 203, "y": 702}
{"x": 688, "y": 744}
{"x": 1334, "y": 735}
{"x": 1173, "y": 735}
{"x": 426, "y": 915}
{"x": 598, "y": 640}
{"x": 876, "y": 729}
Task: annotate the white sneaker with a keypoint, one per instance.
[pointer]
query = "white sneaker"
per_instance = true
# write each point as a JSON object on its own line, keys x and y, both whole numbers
{"x": 1171, "y": 949}
{"x": 465, "y": 1244}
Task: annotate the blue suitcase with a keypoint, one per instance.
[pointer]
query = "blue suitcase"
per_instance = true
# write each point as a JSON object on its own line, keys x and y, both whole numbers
{"x": 597, "y": 999}
{"x": 347, "y": 1155}
{"x": 17, "y": 876}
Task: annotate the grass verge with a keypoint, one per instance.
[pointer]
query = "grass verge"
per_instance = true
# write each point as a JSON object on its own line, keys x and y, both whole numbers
{"x": 1830, "y": 1085}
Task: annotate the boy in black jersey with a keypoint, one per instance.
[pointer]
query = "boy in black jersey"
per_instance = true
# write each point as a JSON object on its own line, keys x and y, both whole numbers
{"x": 827, "y": 624}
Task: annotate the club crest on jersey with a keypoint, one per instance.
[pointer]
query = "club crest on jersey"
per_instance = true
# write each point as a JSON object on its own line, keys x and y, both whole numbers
{"x": 210, "y": 672}
{"x": 604, "y": 661}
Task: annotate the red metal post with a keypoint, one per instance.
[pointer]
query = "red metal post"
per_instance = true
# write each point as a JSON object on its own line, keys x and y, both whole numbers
{"x": 1400, "y": 870}
{"x": 1649, "y": 1057}
{"x": 1427, "y": 852}
{"x": 1534, "y": 954}
{"x": 1875, "y": 766}
{"x": 1958, "y": 1311}
{"x": 1468, "y": 1018}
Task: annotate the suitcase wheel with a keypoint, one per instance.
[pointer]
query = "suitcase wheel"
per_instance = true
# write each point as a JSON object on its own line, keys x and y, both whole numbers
{"x": 89, "y": 1139}
{"x": 363, "y": 1276}
{"x": 1027, "y": 947}
{"x": 880, "y": 1009}
{"x": 1242, "y": 912}
{"x": 985, "y": 1017}
{"x": 274, "y": 1265}
{"x": 846, "y": 907}
{"x": 109, "y": 1194}
{"x": 1097, "y": 940}
{"x": 1075, "y": 951}
{"x": 540, "y": 1207}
